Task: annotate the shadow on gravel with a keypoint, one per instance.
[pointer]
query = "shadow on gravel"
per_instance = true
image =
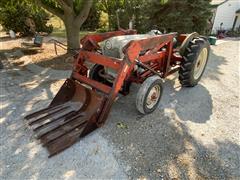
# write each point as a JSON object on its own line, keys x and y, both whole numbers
{"x": 19, "y": 52}
{"x": 20, "y": 95}
{"x": 159, "y": 146}
{"x": 7, "y": 38}
{"x": 22, "y": 157}
{"x": 191, "y": 104}
{"x": 212, "y": 70}
{"x": 59, "y": 62}
{"x": 154, "y": 146}
{"x": 64, "y": 62}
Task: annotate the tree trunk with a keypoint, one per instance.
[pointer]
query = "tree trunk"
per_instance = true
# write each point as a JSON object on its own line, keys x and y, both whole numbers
{"x": 72, "y": 21}
{"x": 72, "y": 31}
{"x": 72, "y": 37}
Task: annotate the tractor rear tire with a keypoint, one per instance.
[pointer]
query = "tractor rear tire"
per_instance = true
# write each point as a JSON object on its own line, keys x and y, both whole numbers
{"x": 194, "y": 62}
{"x": 149, "y": 95}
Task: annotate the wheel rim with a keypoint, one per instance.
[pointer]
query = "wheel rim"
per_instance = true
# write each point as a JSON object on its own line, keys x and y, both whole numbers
{"x": 153, "y": 96}
{"x": 200, "y": 64}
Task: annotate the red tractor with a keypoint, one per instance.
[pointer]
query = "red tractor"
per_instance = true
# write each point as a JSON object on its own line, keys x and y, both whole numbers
{"x": 106, "y": 65}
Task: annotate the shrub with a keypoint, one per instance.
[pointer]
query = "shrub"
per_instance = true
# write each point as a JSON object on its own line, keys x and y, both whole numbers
{"x": 14, "y": 14}
{"x": 40, "y": 18}
{"x": 233, "y": 33}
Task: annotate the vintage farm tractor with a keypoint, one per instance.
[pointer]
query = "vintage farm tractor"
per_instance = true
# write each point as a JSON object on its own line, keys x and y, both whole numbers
{"x": 105, "y": 66}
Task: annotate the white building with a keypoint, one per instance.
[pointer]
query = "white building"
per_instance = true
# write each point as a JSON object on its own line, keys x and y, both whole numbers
{"x": 227, "y": 13}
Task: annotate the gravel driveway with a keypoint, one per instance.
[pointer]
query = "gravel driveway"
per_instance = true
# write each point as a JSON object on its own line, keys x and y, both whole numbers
{"x": 193, "y": 135}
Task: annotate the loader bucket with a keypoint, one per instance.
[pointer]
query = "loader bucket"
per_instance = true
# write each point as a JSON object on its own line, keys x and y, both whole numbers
{"x": 72, "y": 114}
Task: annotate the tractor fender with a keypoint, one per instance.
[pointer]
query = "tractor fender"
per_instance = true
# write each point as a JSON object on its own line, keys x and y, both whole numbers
{"x": 186, "y": 41}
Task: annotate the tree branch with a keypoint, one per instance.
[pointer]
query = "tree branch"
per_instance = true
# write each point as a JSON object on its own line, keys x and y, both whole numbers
{"x": 84, "y": 12}
{"x": 70, "y": 3}
{"x": 50, "y": 9}
{"x": 65, "y": 6}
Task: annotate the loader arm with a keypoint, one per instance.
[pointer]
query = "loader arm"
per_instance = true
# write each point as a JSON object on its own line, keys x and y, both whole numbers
{"x": 152, "y": 46}
{"x": 131, "y": 51}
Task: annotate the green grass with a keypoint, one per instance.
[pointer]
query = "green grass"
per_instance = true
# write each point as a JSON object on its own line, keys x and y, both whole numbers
{"x": 62, "y": 33}
{"x": 59, "y": 29}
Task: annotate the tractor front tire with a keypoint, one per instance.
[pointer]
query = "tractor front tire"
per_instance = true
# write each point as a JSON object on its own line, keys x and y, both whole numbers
{"x": 194, "y": 62}
{"x": 149, "y": 95}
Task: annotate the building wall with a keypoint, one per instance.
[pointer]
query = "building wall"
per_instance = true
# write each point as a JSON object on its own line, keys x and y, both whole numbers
{"x": 226, "y": 14}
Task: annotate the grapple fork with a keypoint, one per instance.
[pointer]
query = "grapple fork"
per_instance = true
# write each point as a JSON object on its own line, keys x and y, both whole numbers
{"x": 72, "y": 114}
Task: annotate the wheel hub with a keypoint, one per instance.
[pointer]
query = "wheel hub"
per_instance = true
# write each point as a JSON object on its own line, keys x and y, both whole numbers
{"x": 153, "y": 96}
{"x": 200, "y": 64}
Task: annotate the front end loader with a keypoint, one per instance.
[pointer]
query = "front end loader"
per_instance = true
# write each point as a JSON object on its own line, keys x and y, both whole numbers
{"x": 106, "y": 65}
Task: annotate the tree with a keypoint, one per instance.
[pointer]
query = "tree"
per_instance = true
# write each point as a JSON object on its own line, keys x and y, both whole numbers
{"x": 72, "y": 12}
{"x": 111, "y": 7}
{"x": 92, "y": 22}
{"x": 126, "y": 10}
{"x": 183, "y": 16}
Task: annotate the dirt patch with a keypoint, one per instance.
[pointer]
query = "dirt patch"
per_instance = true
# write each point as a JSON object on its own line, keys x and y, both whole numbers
{"x": 48, "y": 58}
{"x": 62, "y": 62}
{"x": 44, "y": 56}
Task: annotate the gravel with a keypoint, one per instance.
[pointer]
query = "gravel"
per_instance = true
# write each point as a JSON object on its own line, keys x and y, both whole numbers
{"x": 194, "y": 134}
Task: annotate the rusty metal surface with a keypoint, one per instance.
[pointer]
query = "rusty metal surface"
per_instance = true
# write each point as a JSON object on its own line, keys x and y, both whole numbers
{"x": 72, "y": 114}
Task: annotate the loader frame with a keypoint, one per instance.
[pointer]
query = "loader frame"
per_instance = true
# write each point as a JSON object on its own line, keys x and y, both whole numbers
{"x": 156, "y": 55}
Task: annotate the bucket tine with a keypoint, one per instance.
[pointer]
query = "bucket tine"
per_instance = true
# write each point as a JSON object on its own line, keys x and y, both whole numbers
{"x": 52, "y": 111}
{"x": 60, "y": 144}
{"x": 41, "y": 112}
{"x": 51, "y": 119}
{"x": 47, "y": 115}
{"x": 44, "y": 130}
{"x": 67, "y": 110}
{"x": 72, "y": 114}
{"x": 62, "y": 130}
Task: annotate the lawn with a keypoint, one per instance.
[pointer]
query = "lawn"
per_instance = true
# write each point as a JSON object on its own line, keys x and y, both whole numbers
{"x": 59, "y": 29}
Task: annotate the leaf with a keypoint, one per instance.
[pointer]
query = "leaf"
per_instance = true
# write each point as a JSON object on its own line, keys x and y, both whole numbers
{"x": 122, "y": 125}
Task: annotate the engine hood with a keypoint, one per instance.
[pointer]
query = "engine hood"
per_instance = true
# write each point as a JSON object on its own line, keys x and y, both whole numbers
{"x": 112, "y": 47}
